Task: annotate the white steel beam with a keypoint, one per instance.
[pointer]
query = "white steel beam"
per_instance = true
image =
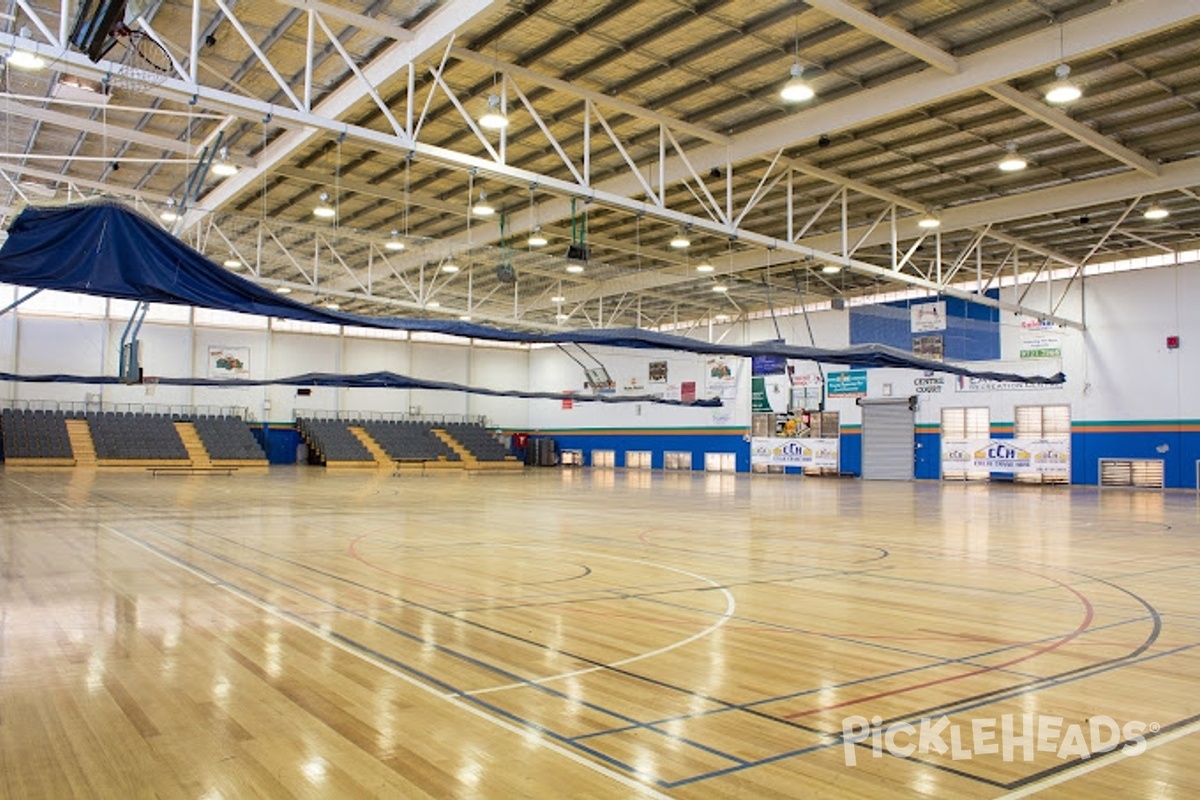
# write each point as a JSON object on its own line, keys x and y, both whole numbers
{"x": 115, "y": 132}
{"x": 361, "y": 21}
{"x": 599, "y": 98}
{"x": 443, "y": 22}
{"x": 900, "y": 39}
{"x": 1077, "y": 130}
{"x": 1088, "y": 34}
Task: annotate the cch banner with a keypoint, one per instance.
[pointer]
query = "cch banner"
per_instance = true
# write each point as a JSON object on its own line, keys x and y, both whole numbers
{"x": 1050, "y": 456}
{"x": 783, "y": 452}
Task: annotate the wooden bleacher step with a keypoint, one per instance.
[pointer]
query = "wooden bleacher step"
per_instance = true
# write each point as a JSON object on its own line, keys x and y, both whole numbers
{"x": 468, "y": 459}
{"x": 197, "y": 452}
{"x": 381, "y": 457}
{"x": 81, "y": 442}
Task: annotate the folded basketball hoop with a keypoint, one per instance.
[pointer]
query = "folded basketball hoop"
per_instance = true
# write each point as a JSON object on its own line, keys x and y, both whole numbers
{"x": 142, "y": 63}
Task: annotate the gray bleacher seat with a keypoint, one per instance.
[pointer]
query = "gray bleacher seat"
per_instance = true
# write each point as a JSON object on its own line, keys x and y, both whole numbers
{"x": 332, "y": 440}
{"x": 34, "y": 434}
{"x": 478, "y": 440}
{"x": 133, "y": 436}
{"x": 228, "y": 439}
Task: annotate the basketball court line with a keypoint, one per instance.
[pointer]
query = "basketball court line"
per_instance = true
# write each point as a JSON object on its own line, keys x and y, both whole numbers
{"x": 414, "y": 637}
{"x": 377, "y": 660}
{"x": 725, "y": 616}
{"x": 1099, "y": 762}
{"x": 738, "y": 765}
{"x": 777, "y": 757}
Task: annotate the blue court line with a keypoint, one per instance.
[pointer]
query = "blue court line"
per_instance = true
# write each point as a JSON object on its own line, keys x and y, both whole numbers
{"x": 1018, "y": 693}
{"x": 1114, "y": 577}
{"x": 818, "y": 634}
{"x": 440, "y": 648}
{"x": 637, "y": 725}
{"x": 855, "y": 682}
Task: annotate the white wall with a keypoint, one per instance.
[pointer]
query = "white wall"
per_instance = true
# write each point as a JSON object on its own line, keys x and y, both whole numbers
{"x": 1120, "y": 369}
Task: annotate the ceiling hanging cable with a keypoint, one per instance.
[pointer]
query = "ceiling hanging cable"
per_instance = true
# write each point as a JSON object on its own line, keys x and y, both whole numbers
{"x": 770, "y": 305}
{"x": 811, "y": 339}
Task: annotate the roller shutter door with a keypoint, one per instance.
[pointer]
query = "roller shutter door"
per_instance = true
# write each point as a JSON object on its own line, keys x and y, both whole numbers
{"x": 887, "y": 440}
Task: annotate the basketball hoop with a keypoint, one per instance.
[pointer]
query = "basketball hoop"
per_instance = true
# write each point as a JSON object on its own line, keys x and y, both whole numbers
{"x": 142, "y": 63}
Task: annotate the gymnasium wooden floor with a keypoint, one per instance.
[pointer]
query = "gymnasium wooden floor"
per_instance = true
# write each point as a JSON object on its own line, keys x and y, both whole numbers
{"x": 592, "y": 634}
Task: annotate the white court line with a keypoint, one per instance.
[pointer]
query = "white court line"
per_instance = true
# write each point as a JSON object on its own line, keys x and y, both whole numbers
{"x": 624, "y": 780}
{"x": 730, "y": 605}
{"x": 1113, "y": 758}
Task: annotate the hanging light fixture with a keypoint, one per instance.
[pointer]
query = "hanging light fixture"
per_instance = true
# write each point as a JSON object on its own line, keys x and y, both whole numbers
{"x": 575, "y": 269}
{"x": 721, "y": 318}
{"x": 705, "y": 267}
{"x": 929, "y": 222}
{"x": 324, "y": 210}
{"x": 562, "y": 317}
{"x": 394, "y": 244}
{"x": 797, "y": 90}
{"x": 332, "y": 306}
{"x": 282, "y": 290}
{"x": 831, "y": 269}
{"x": 483, "y": 208}
{"x": 464, "y": 317}
{"x": 433, "y": 304}
{"x": 169, "y": 214}
{"x": 1063, "y": 90}
{"x": 24, "y": 59}
{"x": 681, "y": 240}
{"x": 1156, "y": 212}
{"x": 1013, "y": 161}
{"x": 223, "y": 166}
{"x": 233, "y": 262}
{"x": 493, "y": 118}
{"x": 720, "y": 288}
{"x": 558, "y": 298}
{"x": 450, "y": 268}
{"x": 536, "y": 239}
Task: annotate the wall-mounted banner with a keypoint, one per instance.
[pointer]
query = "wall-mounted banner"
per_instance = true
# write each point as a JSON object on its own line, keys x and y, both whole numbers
{"x": 1041, "y": 346}
{"x": 228, "y": 362}
{"x": 846, "y": 384}
{"x": 1050, "y": 456}
{"x": 658, "y": 372}
{"x": 929, "y": 346}
{"x": 963, "y": 383}
{"x": 928, "y": 317}
{"x": 781, "y": 452}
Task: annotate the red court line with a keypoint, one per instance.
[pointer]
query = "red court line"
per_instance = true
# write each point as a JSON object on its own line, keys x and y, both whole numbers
{"x": 1089, "y": 613}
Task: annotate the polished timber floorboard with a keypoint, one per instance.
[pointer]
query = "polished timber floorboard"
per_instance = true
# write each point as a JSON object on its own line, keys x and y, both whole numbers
{"x": 593, "y": 634}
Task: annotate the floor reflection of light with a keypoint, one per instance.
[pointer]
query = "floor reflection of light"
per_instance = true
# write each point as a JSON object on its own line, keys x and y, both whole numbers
{"x": 470, "y": 772}
{"x": 645, "y": 762}
{"x": 95, "y": 673}
{"x": 212, "y": 794}
{"x": 220, "y": 688}
{"x": 273, "y": 651}
{"x": 314, "y": 769}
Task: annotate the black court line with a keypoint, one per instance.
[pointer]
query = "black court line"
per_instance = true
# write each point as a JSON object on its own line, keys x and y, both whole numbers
{"x": 748, "y": 708}
{"x": 453, "y": 691}
{"x": 1017, "y": 693}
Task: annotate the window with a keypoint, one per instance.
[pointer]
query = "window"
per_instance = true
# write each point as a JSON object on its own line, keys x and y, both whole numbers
{"x": 966, "y": 423}
{"x": 1043, "y": 422}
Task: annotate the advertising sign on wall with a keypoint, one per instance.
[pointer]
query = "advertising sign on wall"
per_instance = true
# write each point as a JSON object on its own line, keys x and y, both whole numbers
{"x": 847, "y": 384}
{"x": 228, "y": 362}
{"x": 781, "y": 452}
{"x": 928, "y": 317}
{"x": 1050, "y": 456}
